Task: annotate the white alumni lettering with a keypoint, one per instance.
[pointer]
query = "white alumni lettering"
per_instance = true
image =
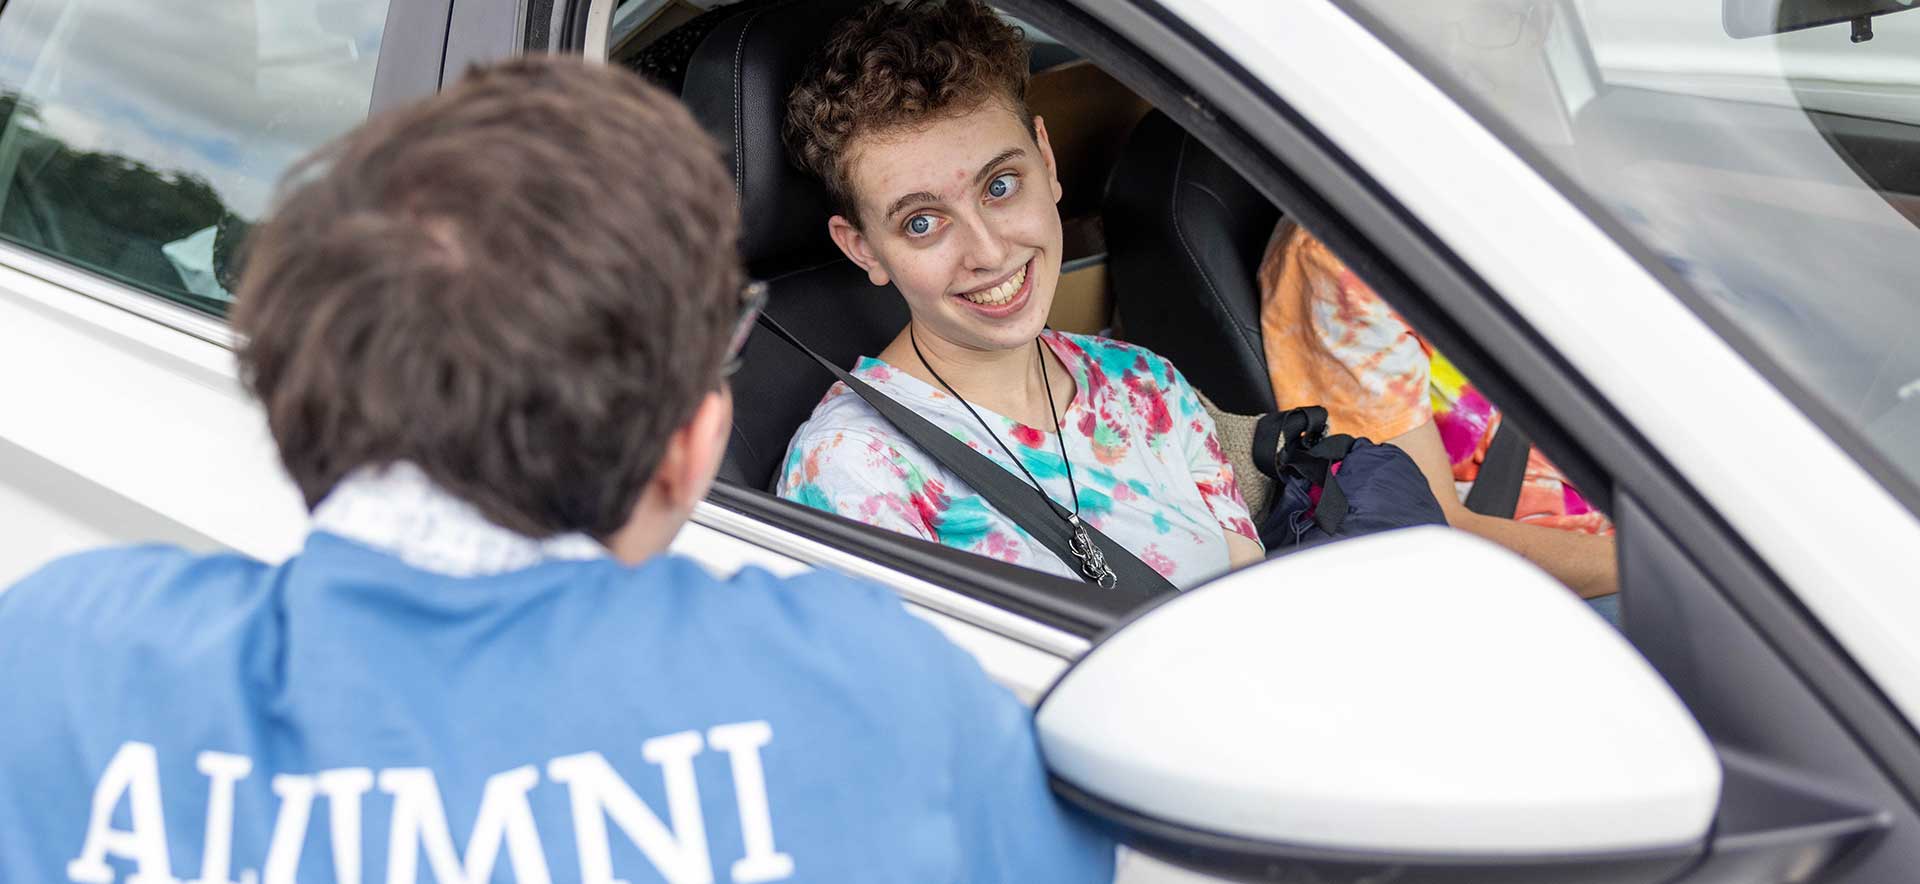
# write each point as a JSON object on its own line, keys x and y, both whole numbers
{"x": 222, "y": 771}
{"x": 417, "y": 824}
{"x": 134, "y": 772}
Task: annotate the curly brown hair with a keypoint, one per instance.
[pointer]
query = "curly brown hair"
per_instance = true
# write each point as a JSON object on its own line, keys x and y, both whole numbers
{"x": 895, "y": 65}
{"x": 524, "y": 286}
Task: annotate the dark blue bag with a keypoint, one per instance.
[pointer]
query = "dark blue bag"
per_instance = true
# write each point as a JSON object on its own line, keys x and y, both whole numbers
{"x": 1333, "y": 487}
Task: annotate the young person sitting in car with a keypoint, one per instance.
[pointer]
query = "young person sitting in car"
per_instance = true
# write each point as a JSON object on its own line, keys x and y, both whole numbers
{"x": 915, "y": 118}
{"x": 490, "y": 335}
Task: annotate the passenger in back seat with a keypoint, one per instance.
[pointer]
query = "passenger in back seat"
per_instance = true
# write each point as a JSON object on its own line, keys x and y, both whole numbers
{"x": 914, "y": 116}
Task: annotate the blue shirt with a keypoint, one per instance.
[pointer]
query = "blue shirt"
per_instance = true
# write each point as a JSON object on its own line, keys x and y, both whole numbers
{"x": 346, "y": 717}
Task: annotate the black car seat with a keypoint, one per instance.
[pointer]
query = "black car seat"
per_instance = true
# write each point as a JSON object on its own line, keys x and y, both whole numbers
{"x": 1185, "y": 234}
{"x": 737, "y": 84}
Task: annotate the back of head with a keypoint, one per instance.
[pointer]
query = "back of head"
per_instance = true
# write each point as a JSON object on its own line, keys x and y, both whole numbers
{"x": 523, "y": 285}
{"x": 900, "y": 65}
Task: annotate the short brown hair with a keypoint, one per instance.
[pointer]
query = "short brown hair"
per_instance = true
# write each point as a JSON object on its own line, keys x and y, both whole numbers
{"x": 523, "y": 285}
{"x": 899, "y": 65}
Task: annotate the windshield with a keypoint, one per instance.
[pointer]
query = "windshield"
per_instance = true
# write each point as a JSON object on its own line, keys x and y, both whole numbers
{"x": 1777, "y": 175}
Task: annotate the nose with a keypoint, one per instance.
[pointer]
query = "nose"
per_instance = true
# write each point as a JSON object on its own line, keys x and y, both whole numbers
{"x": 985, "y": 250}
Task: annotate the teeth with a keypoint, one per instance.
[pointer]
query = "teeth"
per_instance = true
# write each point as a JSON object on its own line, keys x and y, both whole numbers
{"x": 1002, "y": 293}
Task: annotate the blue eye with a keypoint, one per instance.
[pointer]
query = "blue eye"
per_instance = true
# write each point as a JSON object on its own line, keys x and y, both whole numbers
{"x": 1003, "y": 186}
{"x": 919, "y": 225}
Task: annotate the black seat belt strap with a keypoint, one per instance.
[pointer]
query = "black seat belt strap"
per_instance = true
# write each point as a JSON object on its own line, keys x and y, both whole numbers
{"x": 1026, "y": 506}
{"x": 1496, "y": 490}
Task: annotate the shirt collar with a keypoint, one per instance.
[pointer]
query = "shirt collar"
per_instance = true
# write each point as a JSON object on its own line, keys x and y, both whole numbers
{"x": 400, "y": 511}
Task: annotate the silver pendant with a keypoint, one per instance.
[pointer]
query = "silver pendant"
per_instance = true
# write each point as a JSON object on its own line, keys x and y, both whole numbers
{"x": 1093, "y": 562}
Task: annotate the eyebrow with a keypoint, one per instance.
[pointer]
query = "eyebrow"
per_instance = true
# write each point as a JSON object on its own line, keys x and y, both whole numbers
{"x": 925, "y": 197}
{"x": 920, "y": 196}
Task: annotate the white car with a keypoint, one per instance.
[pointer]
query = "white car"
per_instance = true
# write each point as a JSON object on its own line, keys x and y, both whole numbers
{"x": 1683, "y": 260}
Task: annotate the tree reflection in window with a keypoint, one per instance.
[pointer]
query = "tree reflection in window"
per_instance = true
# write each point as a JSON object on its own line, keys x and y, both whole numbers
{"x": 149, "y": 166}
{"x": 118, "y": 216}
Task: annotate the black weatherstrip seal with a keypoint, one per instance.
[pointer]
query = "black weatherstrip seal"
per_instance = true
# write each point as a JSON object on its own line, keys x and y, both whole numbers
{"x": 573, "y": 28}
{"x": 413, "y": 49}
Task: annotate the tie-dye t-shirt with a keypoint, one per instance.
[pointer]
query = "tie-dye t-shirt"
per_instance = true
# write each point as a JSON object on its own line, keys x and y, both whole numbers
{"x": 1384, "y": 379}
{"x": 1145, "y": 459}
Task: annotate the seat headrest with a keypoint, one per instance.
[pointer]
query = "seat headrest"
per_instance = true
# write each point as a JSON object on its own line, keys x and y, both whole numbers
{"x": 737, "y": 84}
{"x": 1185, "y": 235}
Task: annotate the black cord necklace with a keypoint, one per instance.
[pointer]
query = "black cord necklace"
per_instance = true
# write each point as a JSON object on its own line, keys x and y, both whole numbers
{"x": 1093, "y": 562}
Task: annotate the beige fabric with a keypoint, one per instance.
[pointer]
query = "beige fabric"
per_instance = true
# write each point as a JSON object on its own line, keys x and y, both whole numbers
{"x": 1236, "y": 439}
{"x": 1081, "y": 303}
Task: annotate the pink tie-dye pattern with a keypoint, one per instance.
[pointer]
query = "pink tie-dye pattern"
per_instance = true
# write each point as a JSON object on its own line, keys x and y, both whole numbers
{"x": 1462, "y": 425}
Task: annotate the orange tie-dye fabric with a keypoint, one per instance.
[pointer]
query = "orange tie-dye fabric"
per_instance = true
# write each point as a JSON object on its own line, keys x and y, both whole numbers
{"x": 1331, "y": 341}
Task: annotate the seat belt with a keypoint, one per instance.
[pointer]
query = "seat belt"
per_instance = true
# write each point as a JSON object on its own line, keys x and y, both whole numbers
{"x": 1025, "y": 505}
{"x": 1496, "y": 489}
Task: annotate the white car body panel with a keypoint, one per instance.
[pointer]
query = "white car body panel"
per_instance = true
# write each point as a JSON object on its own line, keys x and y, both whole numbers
{"x": 1708, "y": 411}
{"x": 119, "y": 429}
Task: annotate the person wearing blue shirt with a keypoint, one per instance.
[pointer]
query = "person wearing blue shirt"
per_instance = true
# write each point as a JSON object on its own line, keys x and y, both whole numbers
{"x": 490, "y": 334}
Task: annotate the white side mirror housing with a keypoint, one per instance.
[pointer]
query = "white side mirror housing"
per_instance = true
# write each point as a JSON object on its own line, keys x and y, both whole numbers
{"x": 1421, "y": 699}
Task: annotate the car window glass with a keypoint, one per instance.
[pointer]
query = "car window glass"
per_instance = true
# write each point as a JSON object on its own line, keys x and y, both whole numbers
{"x": 141, "y": 139}
{"x": 1773, "y": 174}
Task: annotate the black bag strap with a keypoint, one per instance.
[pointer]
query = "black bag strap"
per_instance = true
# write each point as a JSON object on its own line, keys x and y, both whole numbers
{"x": 1027, "y": 506}
{"x": 1496, "y": 490}
{"x": 1296, "y": 441}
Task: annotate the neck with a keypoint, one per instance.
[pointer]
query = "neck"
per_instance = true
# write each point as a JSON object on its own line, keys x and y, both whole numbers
{"x": 973, "y": 371}
{"x": 1007, "y": 382}
{"x": 649, "y": 532}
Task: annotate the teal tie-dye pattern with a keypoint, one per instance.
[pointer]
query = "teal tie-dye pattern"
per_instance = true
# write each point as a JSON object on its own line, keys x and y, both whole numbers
{"x": 809, "y": 493}
{"x": 1160, "y": 523}
{"x": 1044, "y": 465}
{"x": 1113, "y": 358}
{"x": 966, "y": 521}
{"x": 1094, "y": 503}
{"x": 795, "y": 457}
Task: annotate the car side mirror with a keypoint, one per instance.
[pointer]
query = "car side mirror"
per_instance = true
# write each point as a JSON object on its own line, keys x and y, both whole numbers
{"x": 1419, "y": 701}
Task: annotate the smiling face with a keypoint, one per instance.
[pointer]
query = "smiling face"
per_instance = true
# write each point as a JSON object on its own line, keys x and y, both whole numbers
{"x": 960, "y": 215}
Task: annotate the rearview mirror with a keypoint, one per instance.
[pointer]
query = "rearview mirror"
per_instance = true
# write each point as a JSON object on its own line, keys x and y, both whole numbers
{"x": 1758, "y": 18}
{"x": 1418, "y": 701}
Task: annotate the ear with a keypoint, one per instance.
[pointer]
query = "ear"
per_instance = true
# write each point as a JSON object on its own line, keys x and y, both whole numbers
{"x": 1046, "y": 153}
{"x": 693, "y": 454}
{"x": 854, "y": 245}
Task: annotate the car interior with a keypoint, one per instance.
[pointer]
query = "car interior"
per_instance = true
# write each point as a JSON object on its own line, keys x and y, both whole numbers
{"x": 1147, "y": 210}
